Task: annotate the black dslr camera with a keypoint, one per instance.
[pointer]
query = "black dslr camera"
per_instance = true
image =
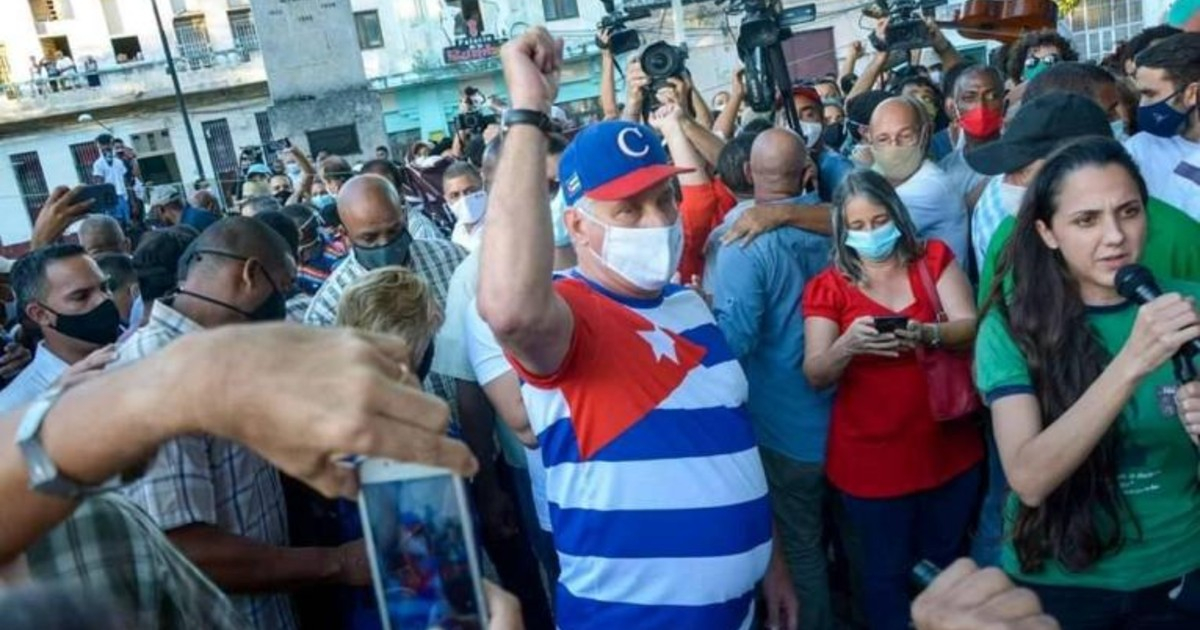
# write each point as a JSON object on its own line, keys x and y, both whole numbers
{"x": 661, "y": 61}
{"x": 477, "y": 117}
{"x": 621, "y": 38}
{"x": 906, "y": 28}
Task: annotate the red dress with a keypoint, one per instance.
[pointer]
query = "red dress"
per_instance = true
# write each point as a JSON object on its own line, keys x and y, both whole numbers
{"x": 883, "y": 439}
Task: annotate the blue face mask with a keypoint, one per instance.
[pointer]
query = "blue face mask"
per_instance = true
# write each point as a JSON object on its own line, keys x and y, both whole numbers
{"x": 875, "y": 244}
{"x": 1162, "y": 120}
{"x": 1118, "y": 131}
{"x": 323, "y": 201}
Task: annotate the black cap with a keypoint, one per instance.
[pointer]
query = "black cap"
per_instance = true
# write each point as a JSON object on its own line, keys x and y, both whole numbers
{"x": 1038, "y": 128}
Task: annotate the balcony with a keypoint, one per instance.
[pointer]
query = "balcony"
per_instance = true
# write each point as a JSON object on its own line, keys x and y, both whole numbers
{"x": 127, "y": 83}
{"x": 429, "y": 68}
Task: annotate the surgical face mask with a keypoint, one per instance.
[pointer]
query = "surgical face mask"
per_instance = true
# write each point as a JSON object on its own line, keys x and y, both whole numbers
{"x": 930, "y": 106}
{"x": 1161, "y": 119}
{"x": 558, "y": 207}
{"x": 897, "y": 163}
{"x": 1011, "y": 196}
{"x": 470, "y": 208}
{"x": 811, "y": 132}
{"x": 99, "y": 326}
{"x": 646, "y": 257}
{"x": 1118, "y": 130}
{"x": 877, "y": 244}
{"x": 394, "y": 252}
{"x": 834, "y": 136}
{"x": 323, "y": 200}
{"x": 936, "y": 77}
{"x": 1035, "y": 66}
{"x": 982, "y": 122}
{"x": 293, "y": 170}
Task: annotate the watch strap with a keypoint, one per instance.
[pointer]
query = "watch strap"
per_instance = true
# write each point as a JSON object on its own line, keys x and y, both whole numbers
{"x": 531, "y": 117}
{"x": 44, "y": 476}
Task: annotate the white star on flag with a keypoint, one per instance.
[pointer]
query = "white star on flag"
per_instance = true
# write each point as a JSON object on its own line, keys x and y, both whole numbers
{"x": 661, "y": 343}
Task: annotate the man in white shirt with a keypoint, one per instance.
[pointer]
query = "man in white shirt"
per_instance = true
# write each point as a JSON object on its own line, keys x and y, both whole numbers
{"x": 110, "y": 169}
{"x": 899, "y": 134}
{"x": 1167, "y": 148}
{"x": 462, "y": 187}
{"x": 62, "y": 290}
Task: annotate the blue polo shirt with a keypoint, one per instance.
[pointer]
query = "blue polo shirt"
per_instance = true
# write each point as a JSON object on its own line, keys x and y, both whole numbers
{"x": 832, "y": 169}
{"x": 757, "y": 294}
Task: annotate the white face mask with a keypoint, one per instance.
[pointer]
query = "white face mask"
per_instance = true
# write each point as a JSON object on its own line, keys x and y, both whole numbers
{"x": 469, "y": 209}
{"x": 646, "y": 257}
{"x": 812, "y": 132}
{"x": 1010, "y": 196}
{"x": 558, "y": 207}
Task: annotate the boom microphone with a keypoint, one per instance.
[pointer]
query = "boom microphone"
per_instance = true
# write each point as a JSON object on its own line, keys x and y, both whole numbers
{"x": 1136, "y": 283}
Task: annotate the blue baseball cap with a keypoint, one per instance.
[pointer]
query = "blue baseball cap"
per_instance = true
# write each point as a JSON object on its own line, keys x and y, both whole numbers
{"x": 613, "y": 160}
{"x": 259, "y": 169}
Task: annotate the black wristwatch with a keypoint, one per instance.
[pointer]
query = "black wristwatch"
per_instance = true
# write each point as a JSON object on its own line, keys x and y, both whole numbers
{"x": 532, "y": 117}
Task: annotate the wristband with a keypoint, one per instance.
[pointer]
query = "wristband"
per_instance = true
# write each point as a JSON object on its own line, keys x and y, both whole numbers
{"x": 530, "y": 117}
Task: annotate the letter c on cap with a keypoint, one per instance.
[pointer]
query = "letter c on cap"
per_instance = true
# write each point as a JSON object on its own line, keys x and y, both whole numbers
{"x": 623, "y": 143}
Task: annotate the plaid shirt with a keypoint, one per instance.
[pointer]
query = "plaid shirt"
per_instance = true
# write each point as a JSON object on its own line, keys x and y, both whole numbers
{"x": 114, "y": 551}
{"x": 434, "y": 261}
{"x": 205, "y": 479}
{"x": 989, "y": 214}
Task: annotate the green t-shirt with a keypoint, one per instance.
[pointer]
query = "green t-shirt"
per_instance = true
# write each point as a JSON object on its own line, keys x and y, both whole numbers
{"x": 1172, "y": 246}
{"x": 1157, "y": 464}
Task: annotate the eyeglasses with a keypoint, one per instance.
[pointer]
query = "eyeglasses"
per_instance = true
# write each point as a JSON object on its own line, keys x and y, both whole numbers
{"x": 906, "y": 138}
{"x": 1049, "y": 60}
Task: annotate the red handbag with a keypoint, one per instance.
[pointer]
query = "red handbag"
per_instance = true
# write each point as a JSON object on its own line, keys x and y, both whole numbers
{"x": 948, "y": 378}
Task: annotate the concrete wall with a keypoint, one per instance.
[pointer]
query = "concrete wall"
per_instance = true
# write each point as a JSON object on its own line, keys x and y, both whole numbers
{"x": 310, "y": 47}
{"x": 293, "y": 118}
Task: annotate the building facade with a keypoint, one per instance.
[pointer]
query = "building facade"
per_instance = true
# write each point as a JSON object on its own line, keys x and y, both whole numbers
{"x": 110, "y": 73}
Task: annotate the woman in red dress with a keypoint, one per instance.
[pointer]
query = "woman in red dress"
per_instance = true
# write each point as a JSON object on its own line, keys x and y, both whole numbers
{"x": 909, "y": 482}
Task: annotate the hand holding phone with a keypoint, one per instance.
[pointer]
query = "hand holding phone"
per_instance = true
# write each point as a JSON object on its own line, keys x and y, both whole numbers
{"x": 422, "y": 547}
{"x": 891, "y": 323}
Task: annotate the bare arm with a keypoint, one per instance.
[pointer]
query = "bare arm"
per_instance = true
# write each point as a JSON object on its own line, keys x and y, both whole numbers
{"x": 636, "y": 83}
{"x": 946, "y": 51}
{"x": 608, "y": 81}
{"x": 856, "y": 51}
{"x": 824, "y": 358}
{"x": 706, "y": 143}
{"x": 1038, "y": 460}
{"x": 726, "y": 123}
{"x": 762, "y": 219}
{"x": 869, "y": 76}
{"x": 670, "y": 120}
{"x": 516, "y": 292}
{"x": 504, "y": 392}
{"x": 954, "y": 290}
{"x": 700, "y": 111}
{"x": 242, "y": 565}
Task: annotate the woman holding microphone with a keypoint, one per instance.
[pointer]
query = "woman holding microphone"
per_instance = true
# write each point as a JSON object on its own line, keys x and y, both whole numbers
{"x": 1104, "y": 519}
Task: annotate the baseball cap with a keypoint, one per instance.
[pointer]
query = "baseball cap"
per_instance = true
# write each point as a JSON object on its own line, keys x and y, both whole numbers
{"x": 258, "y": 169}
{"x": 807, "y": 91}
{"x": 165, "y": 194}
{"x": 613, "y": 160}
{"x": 1182, "y": 11}
{"x": 1037, "y": 129}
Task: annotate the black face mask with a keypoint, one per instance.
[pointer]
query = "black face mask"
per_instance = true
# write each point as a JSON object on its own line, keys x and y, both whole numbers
{"x": 283, "y": 196}
{"x": 100, "y": 326}
{"x": 393, "y": 252}
{"x": 834, "y": 136}
{"x": 272, "y": 309}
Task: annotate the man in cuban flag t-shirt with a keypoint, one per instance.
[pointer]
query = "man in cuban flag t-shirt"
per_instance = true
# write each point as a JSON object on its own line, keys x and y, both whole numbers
{"x": 656, "y": 492}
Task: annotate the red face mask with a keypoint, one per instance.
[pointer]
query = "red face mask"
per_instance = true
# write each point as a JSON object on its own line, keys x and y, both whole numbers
{"x": 982, "y": 122}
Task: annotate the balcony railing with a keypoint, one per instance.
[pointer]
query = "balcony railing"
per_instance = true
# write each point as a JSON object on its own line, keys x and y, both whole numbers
{"x": 430, "y": 68}
{"x": 126, "y": 83}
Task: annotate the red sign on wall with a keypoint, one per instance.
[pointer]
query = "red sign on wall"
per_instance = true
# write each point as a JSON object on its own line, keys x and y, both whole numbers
{"x": 473, "y": 49}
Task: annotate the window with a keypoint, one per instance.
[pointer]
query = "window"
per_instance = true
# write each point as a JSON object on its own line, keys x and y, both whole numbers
{"x": 245, "y": 38}
{"x": 85, "y": 155}
{"x": 53, "y": 45}
{"x": 370, "y": 34}
{"x": 469, "y": 21}
{"x": 50, "y": 10}
{"x": 191, "y": 36}
{"x": 1098, "y": 25}
{"x": 263, "y": 121}
{"x": 560, "y": 9}
{"x": 30, "y": 180}
{"x": 126, "y": 49}
{"x": 341, "y": 141}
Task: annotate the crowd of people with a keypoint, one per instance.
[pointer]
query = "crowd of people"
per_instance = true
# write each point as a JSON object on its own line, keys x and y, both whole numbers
{"x": 702, "y": 369}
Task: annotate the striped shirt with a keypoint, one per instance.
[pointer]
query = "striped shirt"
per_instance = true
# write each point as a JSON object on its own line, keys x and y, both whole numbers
{"x": 656, "y": 491}
{"x": 201, "y": 479}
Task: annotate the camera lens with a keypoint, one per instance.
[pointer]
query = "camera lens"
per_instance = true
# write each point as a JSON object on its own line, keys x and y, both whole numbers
{"x": 661, "y": 60}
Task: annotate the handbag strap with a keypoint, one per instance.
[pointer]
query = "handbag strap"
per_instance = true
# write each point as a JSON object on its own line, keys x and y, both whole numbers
{"x": 931, "y": 290}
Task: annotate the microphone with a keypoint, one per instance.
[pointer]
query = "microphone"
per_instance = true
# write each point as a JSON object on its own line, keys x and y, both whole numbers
{"x": 1136, "y": 284}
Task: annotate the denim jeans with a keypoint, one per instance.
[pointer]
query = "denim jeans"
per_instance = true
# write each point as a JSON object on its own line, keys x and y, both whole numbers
{"x": 797, "y": 498}
{"x": 896, "y": 533}
{"x": 1077, "y": 608}
{"x": 989, "y": 533}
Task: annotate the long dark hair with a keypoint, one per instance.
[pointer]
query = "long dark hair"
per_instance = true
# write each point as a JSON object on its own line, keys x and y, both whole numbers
{"x": 1079, "y": 522}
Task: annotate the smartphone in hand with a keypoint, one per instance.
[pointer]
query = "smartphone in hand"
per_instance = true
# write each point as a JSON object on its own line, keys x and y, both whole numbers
{"x": 104, "y": 197}
{"x": 890, "y": 323}
{"x": 422, "y": 546}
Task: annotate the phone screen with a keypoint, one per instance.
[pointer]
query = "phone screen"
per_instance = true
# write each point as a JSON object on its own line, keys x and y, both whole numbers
{"x": 423, "y": 553}
{"x": 104, "y": 197}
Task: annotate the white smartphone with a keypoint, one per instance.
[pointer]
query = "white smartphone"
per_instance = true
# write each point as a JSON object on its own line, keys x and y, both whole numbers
{"x": 421, "y": 541}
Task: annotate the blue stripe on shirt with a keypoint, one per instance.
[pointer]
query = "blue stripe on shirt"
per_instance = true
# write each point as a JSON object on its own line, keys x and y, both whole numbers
{"x": 578, "y": 612}
{"x": 661, "y": 434}
{"x": 709, "y": 336}
{"x": 1004, "y": 391}
{"x": 695, "y": 533}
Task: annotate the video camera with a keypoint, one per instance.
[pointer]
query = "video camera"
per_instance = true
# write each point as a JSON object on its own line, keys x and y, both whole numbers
{"x": 906, "y": 28}
{"x": 765, "y": 26}
{"x": 621, "y": 38}
{"x": 477, "y": 117}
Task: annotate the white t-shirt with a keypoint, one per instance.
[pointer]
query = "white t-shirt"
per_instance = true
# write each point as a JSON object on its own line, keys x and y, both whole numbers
{"x": 36, "y": 378}
{"x": 450, "y": 347}
{"x": 112, "y": 171}
{"x": 936, "y": 208}
{"x": 1171, "y": 168}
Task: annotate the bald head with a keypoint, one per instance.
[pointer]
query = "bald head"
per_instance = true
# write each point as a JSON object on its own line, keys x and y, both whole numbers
{"x": 238, "y": 269}
{"x": 102, "y": 234}
{"x": 371, "y": 210}
{"x": 899, "y": 120}
{"x": 777, "y": 162}
{"x": 244, "y": 237}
